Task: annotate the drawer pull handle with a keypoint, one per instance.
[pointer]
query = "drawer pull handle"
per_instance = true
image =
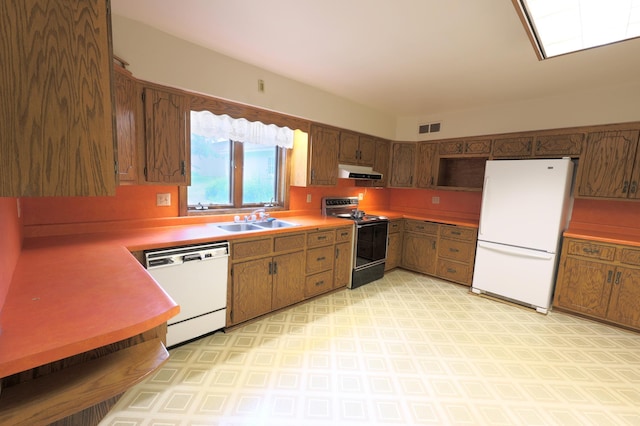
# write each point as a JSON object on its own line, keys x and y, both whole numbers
{"x": 319, "y": 283}
{"x": 320, "y": 259}
{"x": 451, "y": 270}
{"x": 337, "y": 253}
{"x": 344, "y": 234}
{"x": 453, "y": 250}
{"x": 420, "y": 228}
{"x": 275, "y": 268}
{"x": 617, "y": 281}
{"x": 456, "y": 233}
{"x": 270, "y": 268}
{"x": 591, "y": 250}
{"x": 322, "y": 237}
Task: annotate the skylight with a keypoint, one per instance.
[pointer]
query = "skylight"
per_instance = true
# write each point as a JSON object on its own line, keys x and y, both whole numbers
{"x": 563, "y": 26}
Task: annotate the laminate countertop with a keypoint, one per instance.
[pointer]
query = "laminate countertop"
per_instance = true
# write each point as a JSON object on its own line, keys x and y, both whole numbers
{"x": 73, "y": 293}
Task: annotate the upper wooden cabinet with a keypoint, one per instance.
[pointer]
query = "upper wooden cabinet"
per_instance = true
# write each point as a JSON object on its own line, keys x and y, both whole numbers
{"x": 472, "y": 147}
{"x": 167, "y": 136}
{"x": 513, "y": 147}
{"x": 426, "y": 165}
{"x": 127, "y": 100}
{"x": 403, "y": 160}
{"x": 56, "y": 109}
{"x": 356, "y": 149}
{"x": 565, "y": 145}
{"x": 323, "y": 155}
{"x": 609, "y": 167}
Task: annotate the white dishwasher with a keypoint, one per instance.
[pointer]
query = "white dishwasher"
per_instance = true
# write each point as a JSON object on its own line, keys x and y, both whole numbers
{"x": 196, "y": 279}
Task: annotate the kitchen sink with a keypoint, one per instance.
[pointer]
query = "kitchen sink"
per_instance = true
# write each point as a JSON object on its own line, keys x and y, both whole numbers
{"x": 275, "y": 224}
{"x": 240, "y": 227}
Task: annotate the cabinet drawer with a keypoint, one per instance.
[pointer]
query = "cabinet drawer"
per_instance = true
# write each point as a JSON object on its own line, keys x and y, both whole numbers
{"x": 453, "y": 271}
{"x": 245, "y": 249}
{"x": 320, "y": 238}
{"x": 318, "y": 283}
{"x": 288, "y": 242}
{"x": 421, "y": 227}
{"x": 589, "y": 249}
{"x": 343, "y": 234}
{"x": 457, "y": 232}
{"x": 456, "y": 250}
{"x": 630, "y": 256}
{"x": 319, "y": 259}
{"x": 395, "y": 226}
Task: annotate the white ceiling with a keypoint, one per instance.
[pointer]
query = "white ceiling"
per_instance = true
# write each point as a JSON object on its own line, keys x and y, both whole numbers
{"x": 403, "y": 57}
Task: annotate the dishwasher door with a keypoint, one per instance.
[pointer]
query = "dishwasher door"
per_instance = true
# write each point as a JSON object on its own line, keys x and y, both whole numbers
{"x": 196, "y": 278}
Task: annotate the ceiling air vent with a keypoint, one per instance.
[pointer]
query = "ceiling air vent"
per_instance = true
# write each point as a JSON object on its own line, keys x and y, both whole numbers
{"x": 429, "y": 128}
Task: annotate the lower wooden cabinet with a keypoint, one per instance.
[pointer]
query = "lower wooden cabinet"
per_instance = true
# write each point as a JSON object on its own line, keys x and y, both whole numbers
{"x": 419, "y": 246}
{"x": 269, "y": 273}
{"x": 600, "y": 280}
{"x": 445, "y": 251}
{"x": 394, "y": 244}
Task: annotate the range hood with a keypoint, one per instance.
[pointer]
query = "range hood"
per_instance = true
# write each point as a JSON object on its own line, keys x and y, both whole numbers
{"x": 348, "y": 171}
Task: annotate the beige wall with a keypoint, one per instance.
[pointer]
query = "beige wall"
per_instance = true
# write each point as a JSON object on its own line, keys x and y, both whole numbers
{"x": 162, "y": 58}
{"x": 604, "y": 105}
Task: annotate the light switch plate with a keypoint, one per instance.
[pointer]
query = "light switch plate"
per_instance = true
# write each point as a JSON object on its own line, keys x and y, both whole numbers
{"x": 163, "y": 199}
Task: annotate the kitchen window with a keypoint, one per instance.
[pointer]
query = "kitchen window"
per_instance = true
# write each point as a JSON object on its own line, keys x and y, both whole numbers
{"x": 236, "y": 164}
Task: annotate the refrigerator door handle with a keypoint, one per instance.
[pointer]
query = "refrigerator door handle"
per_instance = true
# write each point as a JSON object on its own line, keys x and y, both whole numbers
{"x": 484, "y": 208}
{"x": 515, "y": 251}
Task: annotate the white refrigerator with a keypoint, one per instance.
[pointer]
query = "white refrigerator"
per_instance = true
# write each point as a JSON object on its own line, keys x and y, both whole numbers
{"x": 526, "y": 205}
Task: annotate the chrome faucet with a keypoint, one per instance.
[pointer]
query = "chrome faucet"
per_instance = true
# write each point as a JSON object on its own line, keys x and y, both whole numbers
{"x": 259, "y": 214}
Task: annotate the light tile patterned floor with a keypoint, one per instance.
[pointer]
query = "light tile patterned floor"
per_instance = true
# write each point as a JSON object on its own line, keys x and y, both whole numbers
{"x": 407, "y": 349}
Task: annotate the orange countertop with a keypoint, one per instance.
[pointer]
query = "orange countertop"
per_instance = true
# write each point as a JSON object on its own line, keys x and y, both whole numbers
{"x": 604, "y": 236}
{"x": 70, "y": 294}
{"x": 429, "y": 217}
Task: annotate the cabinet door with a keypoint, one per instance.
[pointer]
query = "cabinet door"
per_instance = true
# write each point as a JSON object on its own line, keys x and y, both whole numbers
{"x": 252, "y": 289}
{"x": 512, "y": 147}
{"x": 425, "y": 165}
{"x": 394, "y": 251}
{"x": 381, "y": 162}
{"x": 569, "y": 145}
{"x": 126, "y": 99}
{"x": 403, "y": 156}
{"x": 349, "y": 152}
{"x": 56, "y": 114}
{"x": 624, "y": 307}
{"x": 606, "y": 166}
{"x": 342, "y": 265}
{"x": 366, "y": 151}
{"x": 323, "y": 146}
{"x": 419, "y": 253}
{"x": 584, "y": 286}
{"x": 166, "y": 135}
{"x": 288, "y": 279}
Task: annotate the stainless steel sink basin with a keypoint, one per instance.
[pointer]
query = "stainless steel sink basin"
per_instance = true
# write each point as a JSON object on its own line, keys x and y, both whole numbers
{"x": 240, "y": 227}
{"x": 275, "y": 224}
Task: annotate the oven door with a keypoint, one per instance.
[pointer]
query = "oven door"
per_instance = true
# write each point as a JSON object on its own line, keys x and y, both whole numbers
{"x": 371, "y": 244}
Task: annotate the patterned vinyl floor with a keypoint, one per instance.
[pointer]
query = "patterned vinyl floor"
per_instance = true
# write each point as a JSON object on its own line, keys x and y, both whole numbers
{"x": 404, "y": 350}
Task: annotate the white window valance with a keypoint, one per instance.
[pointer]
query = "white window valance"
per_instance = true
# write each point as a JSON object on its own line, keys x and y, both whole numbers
{"x": 224, "y": 128}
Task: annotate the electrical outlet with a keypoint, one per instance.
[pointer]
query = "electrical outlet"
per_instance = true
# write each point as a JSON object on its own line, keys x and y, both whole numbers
{"x": 308, "y": 198}
{"x": 360, "y": 196}
{"x": 163, "y": 199}
{"x": 435, "y": 200}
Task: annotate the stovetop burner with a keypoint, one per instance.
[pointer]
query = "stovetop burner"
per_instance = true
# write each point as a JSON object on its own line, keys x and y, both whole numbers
{"x": 347, "y": 208}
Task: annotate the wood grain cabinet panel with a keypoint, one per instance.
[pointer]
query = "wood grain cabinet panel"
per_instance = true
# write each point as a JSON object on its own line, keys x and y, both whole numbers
{"x": 513, "y": 147}
{"x": 609, "y": 167}
{"x": 288, "y": 242}
{"x": 479, "y": 146}
{"x": 167, "y": 136}
{"x": 319, "y": 259}
{"x": 451, "y": 147}
{"x": 287, "y": 271}
{"x": 56, "y": 109}
{"x": 252, "y": 288}
{"x": 251, "y": 248}
{"x": 420, "y": 227}
{"x": 403, "y": 163}
{"x": 419, "y": 252}
{"x": 342, "y": 265}
{"x": 453, "y": 271}
{"x": 569, "y": 145}
{"x": 356, "y": 149}
{"x": 455, "y": 250}
{"x": 320, "y": 238}
{"x": 344, "y": 234}
{"x": 318, "y": 283}
{"x": 127, "y": 98}
{"x": 324, "y": 145}
{"x": 606, "y": 289}
{"x": 426, "y": 163}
